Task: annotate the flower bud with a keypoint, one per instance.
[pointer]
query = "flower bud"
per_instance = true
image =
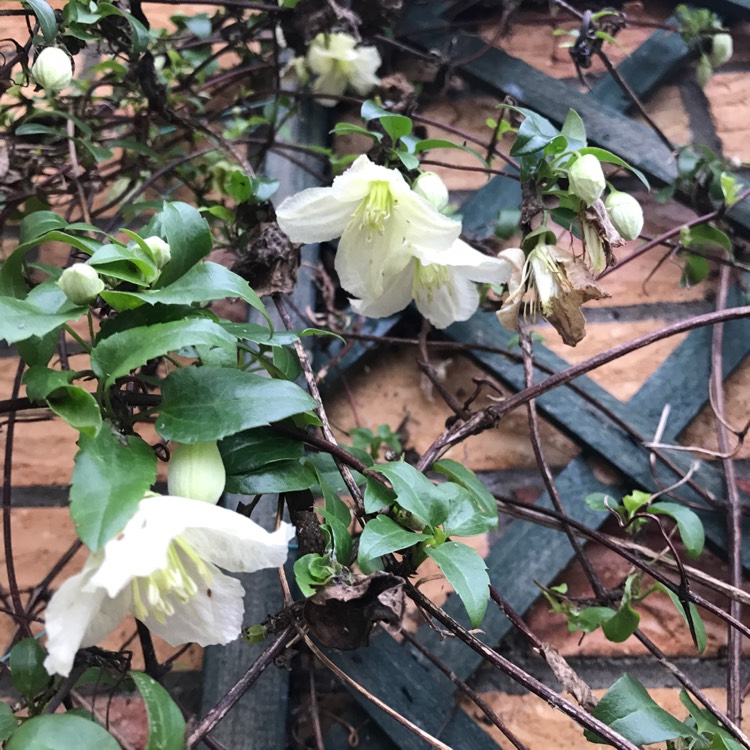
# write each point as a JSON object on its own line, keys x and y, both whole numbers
{"x": 586, "y": 178}
{"x": 703, "y": 71}
{"x": 432, "y": 189}
{"x": 196, "y": 471}
{"x": 158, "y": 250}
{"x": 625, "y": 213}
{"x": 721, "y": 50}
{"x": 81, "y": 283}
{"x": 52, "y": 69}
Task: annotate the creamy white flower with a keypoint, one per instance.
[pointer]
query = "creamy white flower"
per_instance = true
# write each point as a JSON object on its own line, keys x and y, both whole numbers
{"x": 338, "y": 62}
{"x": 440, "y": 283}
{"x": 382, "y": 223}
{"x": 162, "y": 568}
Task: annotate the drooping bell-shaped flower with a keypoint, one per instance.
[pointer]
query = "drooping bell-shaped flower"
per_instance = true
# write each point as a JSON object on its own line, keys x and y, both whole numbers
{"x": 196, "y": 471}
{"x": 163, "y": 567}
{"x": 81, "y": 283}
{"x": 52, "y": 69}
{"x": 337, "y": 63}
{"x": 586, "y": 178}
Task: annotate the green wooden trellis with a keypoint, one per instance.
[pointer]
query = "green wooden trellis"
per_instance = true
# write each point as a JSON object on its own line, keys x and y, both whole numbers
{"x": 523, "y": 554}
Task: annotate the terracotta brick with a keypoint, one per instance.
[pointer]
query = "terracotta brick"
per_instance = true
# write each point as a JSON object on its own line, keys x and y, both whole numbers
{"x": 667, "y": 110}
{"x": 729, "y": 97}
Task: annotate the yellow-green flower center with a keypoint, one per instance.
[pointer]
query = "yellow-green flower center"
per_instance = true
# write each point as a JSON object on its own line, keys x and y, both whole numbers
{"x": 377, "y": 207}
{"x": 157, "y": 593}
{"x": 428, "y": 279}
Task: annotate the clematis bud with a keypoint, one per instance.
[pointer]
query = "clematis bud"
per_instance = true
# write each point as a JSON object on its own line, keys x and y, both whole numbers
{"x": 586, "y": 178}
{"x": 158, "y": 250}
{"x": 703, "y": 71}
{"x": 81, "y": 283}
{"x": 52, "y": 69}
{"x": 721, "y": 50}
{"x": 196, "y": 471}
{"x": 431, "y": 187}
{"x": 625, "y": 213}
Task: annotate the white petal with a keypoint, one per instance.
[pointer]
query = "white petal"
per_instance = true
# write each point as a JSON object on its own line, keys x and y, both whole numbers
{"x": 213, "y": 616}
{"x": 364, "y": 68}
{"x": 426, "y": 227}
{"x": 356, "y": 182}
{"x": 455, "y": 300}
{"x": 469, "y": 262}
{"x": 396, "y": 296}
{"x": 315, "y": 215}
{"x": 334, "y": 82}
{"x": 365, "y": 257}
{"x": 77, "y": 616}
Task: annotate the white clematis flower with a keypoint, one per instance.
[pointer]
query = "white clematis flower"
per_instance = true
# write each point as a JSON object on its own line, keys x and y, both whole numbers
{"x": 338, "y": 62}
{"x": 162, "y": 568}
{"x": 440, "y": 283}
{"x": 395, "y": 246}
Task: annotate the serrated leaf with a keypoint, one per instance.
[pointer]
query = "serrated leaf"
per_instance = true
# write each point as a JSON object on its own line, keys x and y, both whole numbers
{"x": 204, "y": 282}
{"x": 466, "y": 571}
{"x": 628, "y": 709}
{"x": 166, "y": 725}
{"x": 209, "y": 403}
{"x": 61, "y": 731}
{"x": 689, "y": 525}
{"x": 27, "y": 670}
{"x": 123, "y": 352}
{"x": 382, "y": 535}
{"x": 112, "y": 473}
{"x": 464, "y": 517}
{"x": 189, "y": 239}
{"x": 311, "y": 572}
{"x": 20, "y": 320}
{"x": 534, "y": 133}
{"x": 281, "y": 476}
{"x": 459, "y": 474}
{"x": 254, "y": 449}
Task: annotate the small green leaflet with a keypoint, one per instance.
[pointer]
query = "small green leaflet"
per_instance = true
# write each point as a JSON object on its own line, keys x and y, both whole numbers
{"x": 166, "y": 725}
{"x": 61, "y": 730}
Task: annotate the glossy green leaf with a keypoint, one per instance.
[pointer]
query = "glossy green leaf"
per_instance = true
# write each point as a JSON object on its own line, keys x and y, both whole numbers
{"x": 689, "y": 525}
{"x": 377, "y": 496}
{"x": 348, "y": 128}
{"x": 694, "y": 270}
{"x": 55, "y": 731}
{"x": 416, "y": 493}
{"x": 311, "y": 572}
{"x": 706, "y": 237}
{"x": 601, "y": 501}
{"x": 8, "y": 722}
{"x": 466, "y": 571}
{"x": 123, "y": 352}
{"x": 459, "y": 474}
{"x": 574, "y": 130}
{"x": 706, "y": 724}
{"x": 337, "y": 520}
{"x": 209, "y": 403}
{"x": 139, "y": 33}
{"x": 699, "y": 634}
{"x": 589, "y": 619}
{"x": 125, "y": 263}
{"x": 112, "y": 473}
{"x": 280, "y": 476}
{"x": 27, "y": 667}
{"x": 19, "y": 319}
{"x": 464, "y": 518}
{"x": 534, "y": 133}
{"x": 46, "y": 17}
{"x": 189, "y": 239}
{"x": 628, "y": 709}
{"x": 254, "y": 449}
{"x": 610, "y": 158}
{"x": 382, "y": 535}
{"x": 166, "y": 725}
{"x": 622, "y": 624}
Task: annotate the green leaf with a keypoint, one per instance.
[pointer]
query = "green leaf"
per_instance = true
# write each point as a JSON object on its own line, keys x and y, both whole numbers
{"x": 601, "y": 501}
{"x": 338, "y": 518}
{"x": 628, "y": 709}
{"x": 696, "y": 269}
{"x": 534, "y": 133}
{"x": 123, "y": 352}
{"x": 635, "y": 501}
{"x": 260, "y": 334}
{"x": 112, "y": 473}
{"x": 459, "y": 474}
{"x": 706, "y": 237}
{"x": 20, "y": 320}
{"x": 251, "y": 450}
{"x": 466, "y": 571}
{"x": 209, "y": 403}
{"x": 464, "y": 517}
{"x": 622, "y": 624}
{"x": 706, "y": 723}
{"x": 589, "y": 619}
{"x": 395, "y": 125}
{"x": 574, "y": 130}
{"x": 689, "y": 525}
{"x": 166, "y": 725}
{"x": 46, "y": 17}
{"x": 126, "y": 263}
{"x": 8, "y": 722}
{"x": 311, "y": 572}
{"x": 416, "y": 493}
{"x": 27, "y": 667}
{"x": 189, "y": 239}
{"x": 382, "y": 535}
{"x": 61, "y": 731}
{"x": 377, "y": 496}
{"x": 699, "y": 637}
{"x": 610, "y": 158}
{"x": 280, "y": 476}
{"x": 427, "y": 144}
{"x": 204, "y": 282}
{"x": 139, "y": 32}
{"x": 348, "y": 128}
